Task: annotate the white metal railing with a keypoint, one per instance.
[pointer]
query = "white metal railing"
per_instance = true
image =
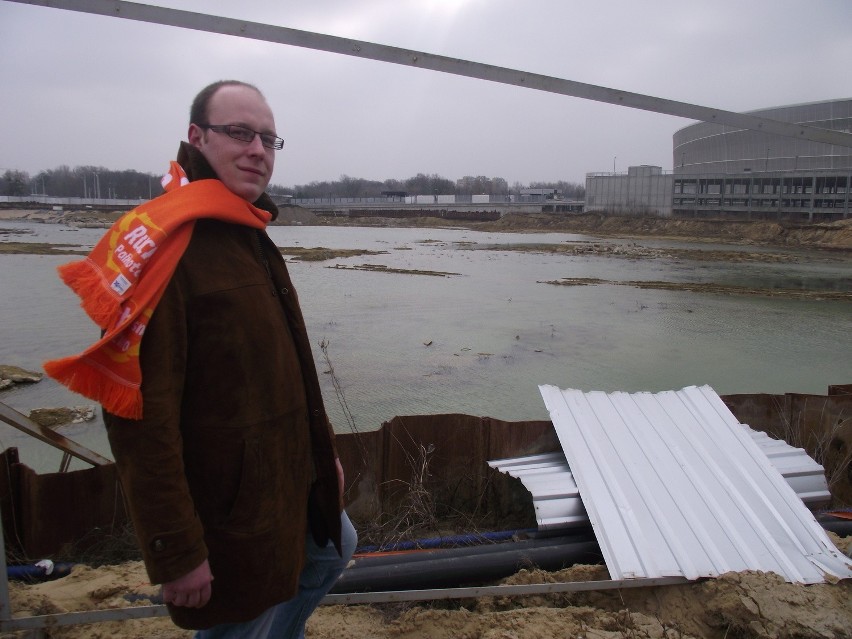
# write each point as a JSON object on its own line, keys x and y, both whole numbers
{"x": 50, "y": 200}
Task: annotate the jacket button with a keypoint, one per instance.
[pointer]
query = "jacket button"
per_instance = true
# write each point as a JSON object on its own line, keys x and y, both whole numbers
{"x": 284, "y": 291}
{"x": 158, "y": 545}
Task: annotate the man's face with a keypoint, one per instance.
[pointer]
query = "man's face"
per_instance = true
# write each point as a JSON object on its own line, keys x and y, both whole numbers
{"x": 244, "y": 167}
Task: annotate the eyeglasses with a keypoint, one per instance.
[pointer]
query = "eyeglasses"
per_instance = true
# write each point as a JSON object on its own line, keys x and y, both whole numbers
{"x": 244, "y": 134}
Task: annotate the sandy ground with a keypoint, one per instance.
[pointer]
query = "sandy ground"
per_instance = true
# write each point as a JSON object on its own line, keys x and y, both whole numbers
{"x": 733, "y": 605}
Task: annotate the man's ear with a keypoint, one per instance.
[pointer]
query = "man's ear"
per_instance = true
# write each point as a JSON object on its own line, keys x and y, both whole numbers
{"x": 195, "y": 135}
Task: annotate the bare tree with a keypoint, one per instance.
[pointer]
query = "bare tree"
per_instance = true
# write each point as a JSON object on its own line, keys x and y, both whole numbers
{"x": 15, "y": 182}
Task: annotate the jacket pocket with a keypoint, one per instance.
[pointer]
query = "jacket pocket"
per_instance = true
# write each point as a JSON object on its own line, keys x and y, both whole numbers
{"x": 273, "y": 477}
{"x": 252, "y": 510}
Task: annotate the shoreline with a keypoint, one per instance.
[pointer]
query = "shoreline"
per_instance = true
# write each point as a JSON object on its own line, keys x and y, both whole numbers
{"x": 829, "y": 236}
{"x": 768, "y": 242}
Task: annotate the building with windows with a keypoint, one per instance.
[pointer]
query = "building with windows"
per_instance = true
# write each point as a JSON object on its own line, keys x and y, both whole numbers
{"x": 720, "y": 171}
{"x": 539, "y": 195}
{"x": 724, "y": 172}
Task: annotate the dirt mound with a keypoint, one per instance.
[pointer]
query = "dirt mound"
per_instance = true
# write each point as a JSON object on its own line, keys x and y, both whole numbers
{"x": 748, "y": 604}
{"x": 827, "y": 235}
{"x": 289, "y": 215}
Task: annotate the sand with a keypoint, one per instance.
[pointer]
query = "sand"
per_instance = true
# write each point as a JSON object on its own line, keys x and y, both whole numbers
{"x": 733, "y": 605}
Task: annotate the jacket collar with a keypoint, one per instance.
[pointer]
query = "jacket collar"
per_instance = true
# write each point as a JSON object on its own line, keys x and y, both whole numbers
{"x": 197, "y": 168}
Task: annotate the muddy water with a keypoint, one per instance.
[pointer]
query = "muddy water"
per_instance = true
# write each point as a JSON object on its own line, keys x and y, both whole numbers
{"x": 481, "y": 342}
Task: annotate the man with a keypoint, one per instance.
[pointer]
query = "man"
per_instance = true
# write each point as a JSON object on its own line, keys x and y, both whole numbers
{"x": 230, "y": 471}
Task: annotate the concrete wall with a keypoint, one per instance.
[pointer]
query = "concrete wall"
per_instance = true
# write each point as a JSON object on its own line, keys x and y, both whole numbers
{"x": 642, "y": 190}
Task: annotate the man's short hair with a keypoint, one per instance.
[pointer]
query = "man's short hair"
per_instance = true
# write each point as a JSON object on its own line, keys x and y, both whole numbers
{"x": 198, "y": 111}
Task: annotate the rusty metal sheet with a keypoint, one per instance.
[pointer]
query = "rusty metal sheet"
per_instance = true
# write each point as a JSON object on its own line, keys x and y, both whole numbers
{"x": 380, "y": 464}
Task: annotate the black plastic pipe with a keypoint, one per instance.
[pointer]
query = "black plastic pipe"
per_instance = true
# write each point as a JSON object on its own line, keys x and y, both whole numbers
{"x": 838, "y": 525}
{"x": 371, "y": 560}
{"x": 448, "y": 568}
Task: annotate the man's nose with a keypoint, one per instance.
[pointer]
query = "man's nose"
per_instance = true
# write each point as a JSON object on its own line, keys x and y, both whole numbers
{"x": 256, "y": 146}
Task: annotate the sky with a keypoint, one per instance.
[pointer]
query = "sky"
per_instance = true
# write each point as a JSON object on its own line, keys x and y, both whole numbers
{"x": 79, "y": 89}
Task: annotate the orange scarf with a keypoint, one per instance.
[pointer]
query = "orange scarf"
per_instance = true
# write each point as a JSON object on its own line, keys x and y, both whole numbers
{"x": 125, "y": 275}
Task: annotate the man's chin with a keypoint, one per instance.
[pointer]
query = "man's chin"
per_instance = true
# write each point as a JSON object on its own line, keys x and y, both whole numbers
{"x": 249, "y": 193}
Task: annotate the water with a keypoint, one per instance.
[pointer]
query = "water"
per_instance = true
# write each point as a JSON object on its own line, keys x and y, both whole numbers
{"x": 480, "y": 342}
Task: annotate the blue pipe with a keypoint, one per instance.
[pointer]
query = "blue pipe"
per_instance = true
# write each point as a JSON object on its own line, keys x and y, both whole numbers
{"x": 450, "y": 541}
{"x": 842, "y": 527}
{"x": 35, "y": 572}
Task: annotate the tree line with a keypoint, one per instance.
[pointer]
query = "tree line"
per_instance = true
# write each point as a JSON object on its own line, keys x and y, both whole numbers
{"x": 99, "y": 182}
{"x": 82, "y": 181}
{"x": 422, "y": 184}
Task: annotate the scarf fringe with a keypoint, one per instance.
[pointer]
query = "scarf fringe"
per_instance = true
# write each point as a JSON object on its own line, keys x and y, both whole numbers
{"x": 98, "y": 301}
{"x": 81, "y": 377}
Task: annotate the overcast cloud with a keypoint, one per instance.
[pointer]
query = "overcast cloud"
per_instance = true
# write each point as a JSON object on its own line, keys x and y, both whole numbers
{"x": 80, "y": 89}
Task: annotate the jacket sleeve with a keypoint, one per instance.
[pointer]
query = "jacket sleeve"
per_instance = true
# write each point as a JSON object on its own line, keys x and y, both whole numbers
{"x": 149, "y": 452}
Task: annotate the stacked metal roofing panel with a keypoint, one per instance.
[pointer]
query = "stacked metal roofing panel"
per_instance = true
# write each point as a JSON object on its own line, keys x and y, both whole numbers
{"x": 557, "y": 501}
{"x": 674, "y": 486}
{"x": 555, "y": 495}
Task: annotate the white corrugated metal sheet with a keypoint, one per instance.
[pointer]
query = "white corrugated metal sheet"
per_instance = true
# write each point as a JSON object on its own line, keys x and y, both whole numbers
{"x": 557, "y": 501}
{"x": 674, "y": 486}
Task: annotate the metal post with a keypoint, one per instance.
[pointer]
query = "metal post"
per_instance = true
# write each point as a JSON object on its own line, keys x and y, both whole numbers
{"x": 5, "y": 608}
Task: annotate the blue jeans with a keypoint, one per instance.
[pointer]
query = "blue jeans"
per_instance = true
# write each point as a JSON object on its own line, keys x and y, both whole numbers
{"x": 287, "y": 620}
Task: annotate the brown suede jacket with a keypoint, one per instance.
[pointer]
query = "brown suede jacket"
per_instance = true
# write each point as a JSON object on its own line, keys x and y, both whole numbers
{"x": 234, "y": 436}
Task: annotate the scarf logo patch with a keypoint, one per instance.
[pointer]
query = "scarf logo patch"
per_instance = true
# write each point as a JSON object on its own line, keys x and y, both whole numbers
{"x": 120, "y": 284}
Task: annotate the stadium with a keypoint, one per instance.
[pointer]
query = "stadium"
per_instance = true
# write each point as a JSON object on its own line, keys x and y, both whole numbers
{"x": 725, "y": 172}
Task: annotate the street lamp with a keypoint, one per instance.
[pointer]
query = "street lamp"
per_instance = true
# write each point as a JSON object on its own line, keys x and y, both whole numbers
{"x": 613, "y": 164}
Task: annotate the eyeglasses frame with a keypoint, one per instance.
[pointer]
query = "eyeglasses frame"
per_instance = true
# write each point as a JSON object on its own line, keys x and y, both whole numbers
{"x": 276, "y": 143}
